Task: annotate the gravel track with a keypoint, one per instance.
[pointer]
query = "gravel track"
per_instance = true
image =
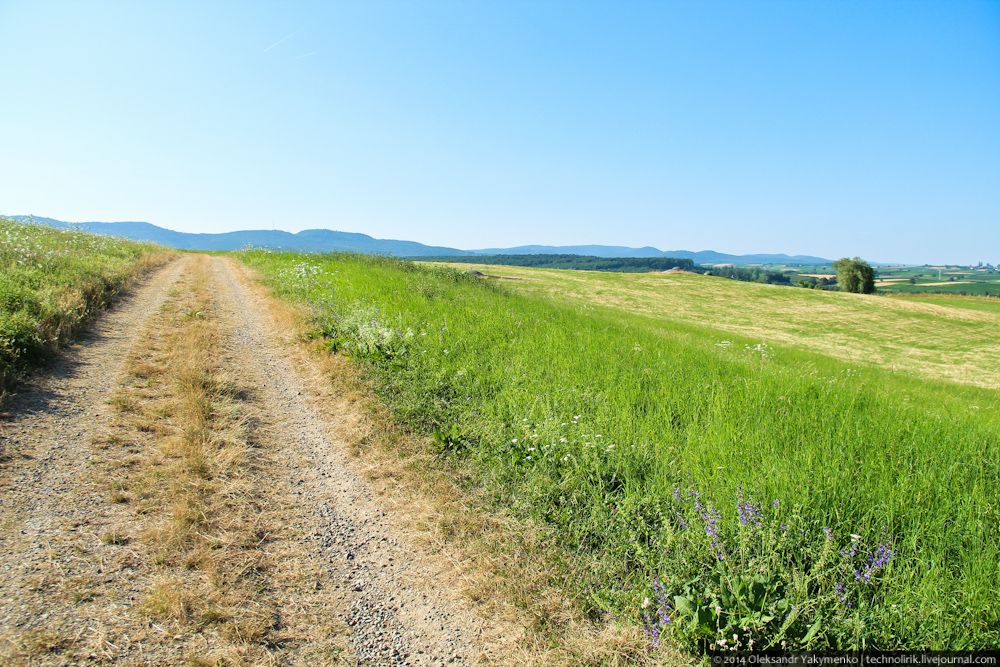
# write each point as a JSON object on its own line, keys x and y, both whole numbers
{"x": 53, "y": 513}
{"x": 398, "y": 614}
{"x": 396, "y": 601}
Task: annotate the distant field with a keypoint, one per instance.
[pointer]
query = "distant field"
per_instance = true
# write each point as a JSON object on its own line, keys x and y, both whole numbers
{"x": 939, "y": 280}
{"x": 51, "y": 281}
{"x": 701, "y": 434}
{"x": 931, "y": 338}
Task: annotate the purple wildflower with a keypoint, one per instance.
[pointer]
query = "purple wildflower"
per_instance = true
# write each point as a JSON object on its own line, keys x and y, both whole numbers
{"x": 839, "y": 588}
{"x": 775, "y": 503}
{"x": 749, "y": 513}
{"x": 828, "y": 532}
{"x": 875, "y": 564}
{"x": 654, "y": 623}
{"x": 710, "y": 517}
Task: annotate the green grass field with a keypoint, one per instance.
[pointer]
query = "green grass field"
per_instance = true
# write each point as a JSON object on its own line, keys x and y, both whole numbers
{"x": 51, "y": 282}
{"x": 926, "y": 337}
{"x": 988, "y": 305}
{"x": 710, "y": 466}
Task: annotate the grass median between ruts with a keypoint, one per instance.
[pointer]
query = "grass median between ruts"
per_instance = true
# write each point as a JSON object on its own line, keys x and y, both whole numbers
{"x": 723, "y": 491}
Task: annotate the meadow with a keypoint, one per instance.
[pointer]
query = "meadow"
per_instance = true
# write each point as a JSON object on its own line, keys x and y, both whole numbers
{"x": 708, "y": 460}
{"x": 928, "y": 337}
{"x": 51, "y": 283}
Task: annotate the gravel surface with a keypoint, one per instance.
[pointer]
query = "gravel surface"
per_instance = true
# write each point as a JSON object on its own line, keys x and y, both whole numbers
{"x": 397, "y": 612}
{"x": 53, "y": 512}
{"x": 68, "y": 593}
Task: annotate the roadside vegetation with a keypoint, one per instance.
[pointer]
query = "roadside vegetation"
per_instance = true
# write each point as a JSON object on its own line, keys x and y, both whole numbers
{"x": 721, "y": 490}
{"x": 51, "y": 282}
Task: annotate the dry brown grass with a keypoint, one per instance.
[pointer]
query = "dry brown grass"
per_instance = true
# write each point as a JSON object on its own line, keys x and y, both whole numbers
{"x": 189, "y": 468}
{"x": 206, "y": 536}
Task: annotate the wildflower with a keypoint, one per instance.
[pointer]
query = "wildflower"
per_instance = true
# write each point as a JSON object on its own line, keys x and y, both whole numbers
{"x": 513, "y": 440}
{"x": 828, "y": 532}
{"x": 876, "y": 562}
{"x": 774, "y": 503}
{"x": 653, "y": 624}
{"x": 749, "y": 513}
{"x": 850, "y": 553}
{"x": 710, "y": 517}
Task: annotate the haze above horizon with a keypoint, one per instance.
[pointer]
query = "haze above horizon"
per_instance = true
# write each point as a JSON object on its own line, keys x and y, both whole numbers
{"x": 818, "y": 128}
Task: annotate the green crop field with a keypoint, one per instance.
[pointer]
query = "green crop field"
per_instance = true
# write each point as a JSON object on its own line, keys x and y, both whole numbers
{"x": 956, "y": 280}
{"x": 51, "y": 282}
{"x": 728, "y": 464}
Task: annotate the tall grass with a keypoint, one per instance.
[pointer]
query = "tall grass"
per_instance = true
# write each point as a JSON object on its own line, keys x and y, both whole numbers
{"x": 716, "y": 489}
{"x": 52, "y": 281}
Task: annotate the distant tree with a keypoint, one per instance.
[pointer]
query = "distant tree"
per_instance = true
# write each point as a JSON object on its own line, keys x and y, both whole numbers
{"x": 855, "y": 275}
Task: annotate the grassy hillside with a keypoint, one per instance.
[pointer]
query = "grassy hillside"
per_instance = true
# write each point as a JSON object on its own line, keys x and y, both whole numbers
{"x": 704, "y": 483}
{"x": 51, "y": 282}
{"x": 989, "y": 305}
{"x": 929, "y": 338}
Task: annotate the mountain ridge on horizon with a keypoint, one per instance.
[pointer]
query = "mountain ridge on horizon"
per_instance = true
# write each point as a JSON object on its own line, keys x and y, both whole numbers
{"x": 326, "y": 240}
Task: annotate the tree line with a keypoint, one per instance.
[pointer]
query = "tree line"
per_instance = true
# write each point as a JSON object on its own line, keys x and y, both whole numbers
{"x": 853, "y": 274}
{"x": 579, "y": 262}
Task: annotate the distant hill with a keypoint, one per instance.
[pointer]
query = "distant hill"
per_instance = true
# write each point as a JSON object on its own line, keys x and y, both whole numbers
{"x": 326, "y": 240}
{"x": 309, "y": 240}
{"x": 699, "y": 257}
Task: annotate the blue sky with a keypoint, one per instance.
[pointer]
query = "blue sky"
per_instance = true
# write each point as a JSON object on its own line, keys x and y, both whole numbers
{"x": 828, "y": 128}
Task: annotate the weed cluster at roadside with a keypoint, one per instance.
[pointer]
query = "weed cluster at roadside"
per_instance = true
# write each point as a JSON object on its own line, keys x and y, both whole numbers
{"x": 722, "y": 491}
{"x": 52, "y": 281}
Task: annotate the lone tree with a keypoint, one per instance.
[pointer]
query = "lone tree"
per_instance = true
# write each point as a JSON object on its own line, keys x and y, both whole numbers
{"x": 855, "y": 275}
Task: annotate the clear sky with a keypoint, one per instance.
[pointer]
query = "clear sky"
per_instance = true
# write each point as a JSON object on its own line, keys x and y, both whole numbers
{"x": 827, "y": 128}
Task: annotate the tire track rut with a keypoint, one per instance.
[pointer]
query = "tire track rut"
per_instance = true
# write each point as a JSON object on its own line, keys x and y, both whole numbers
{"x": 52, "y": 512}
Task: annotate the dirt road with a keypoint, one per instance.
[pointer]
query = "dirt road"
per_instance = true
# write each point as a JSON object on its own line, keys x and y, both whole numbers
{"x": 171, "y": 492}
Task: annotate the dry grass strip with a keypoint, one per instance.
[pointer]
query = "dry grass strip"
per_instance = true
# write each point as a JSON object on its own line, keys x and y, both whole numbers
{"x": 229, "y": 584}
